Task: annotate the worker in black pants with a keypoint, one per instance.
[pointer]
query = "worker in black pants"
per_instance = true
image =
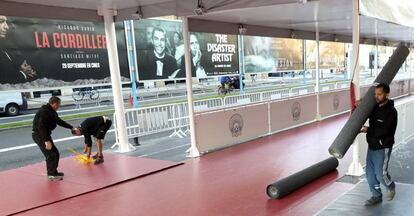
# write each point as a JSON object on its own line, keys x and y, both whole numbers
{"x": 95, "y": 126}
{"x": 380, "y": 138}
{"x": 44, "y": 122}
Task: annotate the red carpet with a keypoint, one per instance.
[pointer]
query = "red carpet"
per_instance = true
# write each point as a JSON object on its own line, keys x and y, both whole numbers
{"x": 26, "y": 188}
{"x": 227, "y": 182}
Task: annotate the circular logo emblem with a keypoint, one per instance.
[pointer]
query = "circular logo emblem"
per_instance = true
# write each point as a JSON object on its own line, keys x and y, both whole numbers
{"x": 336, "y": 102}
{"x": 236, "y": 125}
{"x": 296, "y": 111}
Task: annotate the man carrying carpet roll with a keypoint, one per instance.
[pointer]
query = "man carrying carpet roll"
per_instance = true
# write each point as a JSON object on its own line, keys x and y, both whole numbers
{"x": 380, "y": 138}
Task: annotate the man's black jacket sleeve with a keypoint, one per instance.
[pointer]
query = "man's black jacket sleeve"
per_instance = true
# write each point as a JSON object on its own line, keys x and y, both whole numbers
{"x": 62, "y": 123}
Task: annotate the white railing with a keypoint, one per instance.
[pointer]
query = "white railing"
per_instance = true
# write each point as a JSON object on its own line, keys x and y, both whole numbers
{"x": 328, "y": 87}
{"x": 174, "y": 117}
{"x": 157, "y": 119}
{"x": 243, "y": 99}
{"x": 275, "y": 94}
{"x": 342, "y": 85}
{"x": 302, "y": 90}
{"x": 214, "y": 103}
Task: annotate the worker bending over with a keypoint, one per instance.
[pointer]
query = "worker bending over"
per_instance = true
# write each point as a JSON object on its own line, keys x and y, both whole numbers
{"x": 95, "y": 126}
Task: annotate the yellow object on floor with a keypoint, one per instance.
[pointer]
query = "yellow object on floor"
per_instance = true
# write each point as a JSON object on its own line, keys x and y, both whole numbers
{"x": 80, "y": 158}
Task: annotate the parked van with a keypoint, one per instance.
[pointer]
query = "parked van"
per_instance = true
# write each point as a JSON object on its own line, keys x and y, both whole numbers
{"x": 11, "y": 103}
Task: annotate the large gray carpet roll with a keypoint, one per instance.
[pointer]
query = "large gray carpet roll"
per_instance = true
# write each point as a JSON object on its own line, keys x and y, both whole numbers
{"x": 360, "y": 115}
{"x": 295, "y": 181}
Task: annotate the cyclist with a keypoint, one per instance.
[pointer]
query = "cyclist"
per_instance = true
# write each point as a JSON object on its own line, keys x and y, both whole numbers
{"x": 236, "y": 83}
{"x": 225, "y": 82}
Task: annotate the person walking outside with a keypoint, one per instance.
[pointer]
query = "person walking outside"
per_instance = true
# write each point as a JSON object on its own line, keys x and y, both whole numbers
{"x": 380, "y": 138}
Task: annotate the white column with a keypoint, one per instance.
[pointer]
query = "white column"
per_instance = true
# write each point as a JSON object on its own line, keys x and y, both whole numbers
{"x": 376, "y": 57}
{"x": 108, "y": 15}
{"x": 193, "y": 151}
{"x": 356, "y": 168}
{"x": 318, "y": 76}
{"x": 241, "y": 62}
{"x": 355, "y": 48}
{"x": 348, "y": 62}
{"x": 409, "y": 68}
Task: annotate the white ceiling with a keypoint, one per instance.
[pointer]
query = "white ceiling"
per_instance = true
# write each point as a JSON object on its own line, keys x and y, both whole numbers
{"x": 331, "y": 16}
{"x": 92, "y": 4}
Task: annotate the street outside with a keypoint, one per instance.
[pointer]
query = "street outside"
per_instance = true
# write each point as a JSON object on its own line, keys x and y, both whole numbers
{"x": 17, "y": 148}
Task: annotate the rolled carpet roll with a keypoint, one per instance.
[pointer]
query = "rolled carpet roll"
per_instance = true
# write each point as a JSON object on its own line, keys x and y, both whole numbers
{"x": 360, "y": 115}
{"x": 295, "y": 181}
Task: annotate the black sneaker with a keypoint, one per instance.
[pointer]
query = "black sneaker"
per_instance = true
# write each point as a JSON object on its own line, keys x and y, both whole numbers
{"x": 99, "y": 160}
{"x": 60, "y": 174}
{"x": 373, "y": 201}
{"x": 391, "y": 193}
{"x": 95, "y": 156}
{"x": 54, "y": 177}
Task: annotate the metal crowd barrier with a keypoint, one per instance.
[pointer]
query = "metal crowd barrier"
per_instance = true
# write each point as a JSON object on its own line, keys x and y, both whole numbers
{"x": 276, "y": 94}
{"x": 87, "y": 100}
{"x": 174, "y": 117}
{"x": 157, "y": 119}
{"x": 201, "y": 105}
{"x": 302, "y": 90}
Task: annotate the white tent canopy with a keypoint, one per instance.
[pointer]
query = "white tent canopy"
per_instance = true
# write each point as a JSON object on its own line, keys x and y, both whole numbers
{"x": 333, "y": 18}
{"x": 261, "y": 17}
{"x": 400, "y": 12}
{"x": 336, "y": 20}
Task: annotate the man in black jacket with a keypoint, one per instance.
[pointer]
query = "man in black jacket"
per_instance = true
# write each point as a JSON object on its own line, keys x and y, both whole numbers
{"x": 44, "y": 122}
{"x": 95, "y": 126}
{"x": 380, "y": 138}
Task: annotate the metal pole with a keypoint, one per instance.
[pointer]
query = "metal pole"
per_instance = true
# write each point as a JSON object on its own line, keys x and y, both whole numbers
{"x": 356, "y": 168}
{"x": 348, "y": 63}
{"x": 193, "y": 151}
{"x": 355, "y": 48}
{"x": 409, "y": 72}
{"x": 376, "y": 57}
{"x": 318, "y": 75}
{"x": 409, "y": 65}
{"x": 241, "y": 62}
{"x": 108, "y": 15}
{"x": 129, "y": 29}
{"x": 134, "y": 49}
{"x": 305, "y": 65}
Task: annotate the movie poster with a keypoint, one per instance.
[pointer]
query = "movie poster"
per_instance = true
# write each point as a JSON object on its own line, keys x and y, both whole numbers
{"x": 213, "y": 54}
{"x": 331, "y": 54}
{"x": 40, "y": 53}
{"x": 160, "y": 51}
{"x": 267, "y": 54}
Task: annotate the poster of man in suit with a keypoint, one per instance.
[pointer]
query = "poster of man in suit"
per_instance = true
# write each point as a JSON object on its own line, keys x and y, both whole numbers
{"x": 160, "y": 51}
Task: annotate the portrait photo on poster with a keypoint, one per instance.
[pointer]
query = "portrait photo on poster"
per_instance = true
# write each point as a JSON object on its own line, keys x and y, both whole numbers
{"x": 332, "y": 54}
{"x": 269, "y": 55}
{"x": 213, "y": 54}
{"x": 160, "y": 51}
{"x": 44, "y": 53}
